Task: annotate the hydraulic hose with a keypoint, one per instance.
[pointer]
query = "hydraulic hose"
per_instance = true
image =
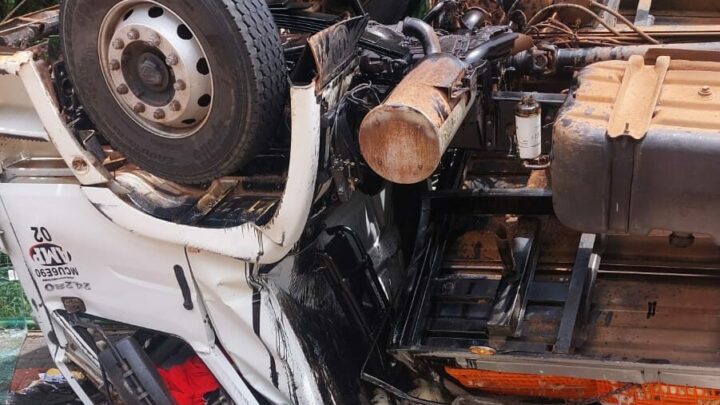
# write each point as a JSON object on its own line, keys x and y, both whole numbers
{"x": 424, "y": 32}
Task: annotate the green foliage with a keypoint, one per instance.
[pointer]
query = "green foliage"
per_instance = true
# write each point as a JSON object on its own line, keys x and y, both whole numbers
{"x": 13, "y": 303}
{"x": 422, "y": 8}
{"x": 7, "y": 6}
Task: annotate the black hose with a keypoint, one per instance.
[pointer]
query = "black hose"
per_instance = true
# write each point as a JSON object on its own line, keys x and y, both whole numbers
{"x": 496, "y": 47}
{"x": 473, "y": 17}
{"x": 434, "y": 12}
{"x": 421, "y": 30}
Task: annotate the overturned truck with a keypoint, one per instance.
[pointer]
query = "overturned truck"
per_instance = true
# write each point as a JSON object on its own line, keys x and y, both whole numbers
{"x": 466, "y": 202}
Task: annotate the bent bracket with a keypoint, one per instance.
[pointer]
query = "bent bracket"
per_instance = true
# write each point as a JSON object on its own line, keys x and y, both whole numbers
{"x": 637, "y": 98}
{"x": 35, "y": 80}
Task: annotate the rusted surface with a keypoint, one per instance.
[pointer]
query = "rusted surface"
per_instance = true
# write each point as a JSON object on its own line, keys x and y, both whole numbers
{"x": 404, "y": 139}
{"x": 475, "y": 244}
{"x": 528, "y": 8}
{"x": 335, "y": 47}
{"x": 665, "y": 320}
{"x": 637, "y": 98}
{"x": 679, "y": 104}
{"x": 22, "y": 31}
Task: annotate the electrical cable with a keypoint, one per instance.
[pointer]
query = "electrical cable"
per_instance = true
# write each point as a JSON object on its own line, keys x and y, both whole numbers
{"x": 625, "y": 21}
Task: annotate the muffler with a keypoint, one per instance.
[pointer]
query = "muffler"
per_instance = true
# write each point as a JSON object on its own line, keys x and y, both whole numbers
{"x": 404, "y": 138}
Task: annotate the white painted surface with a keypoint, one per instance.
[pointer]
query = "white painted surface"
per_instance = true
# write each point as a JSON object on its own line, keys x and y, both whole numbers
{"x": 34, "y": 76}
{"x": 266, "y": 244}
{"x": 529, "y": 136}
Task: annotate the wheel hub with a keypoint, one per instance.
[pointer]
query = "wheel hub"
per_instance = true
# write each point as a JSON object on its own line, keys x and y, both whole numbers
{"x": 156, "y": 68}
{"x": 152, "y": 72}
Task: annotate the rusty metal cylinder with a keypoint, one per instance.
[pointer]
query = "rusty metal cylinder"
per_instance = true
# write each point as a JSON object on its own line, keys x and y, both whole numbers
{"x": 404, "y": 138}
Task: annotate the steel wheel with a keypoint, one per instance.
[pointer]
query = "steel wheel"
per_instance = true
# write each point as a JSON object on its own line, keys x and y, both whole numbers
{"x": 188, "y": 90}
{"x": 156, "y": 68}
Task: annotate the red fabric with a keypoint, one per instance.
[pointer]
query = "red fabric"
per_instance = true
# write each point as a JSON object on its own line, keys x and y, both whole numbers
{"x": 189, "y": 381}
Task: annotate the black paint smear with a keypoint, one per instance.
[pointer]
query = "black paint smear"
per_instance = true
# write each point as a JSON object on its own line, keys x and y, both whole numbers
{"x": 256, "y": 300}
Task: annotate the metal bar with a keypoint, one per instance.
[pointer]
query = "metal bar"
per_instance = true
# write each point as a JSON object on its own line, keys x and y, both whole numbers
{"x": 623, "y": 160}
{"x": 435, "y": 263}
{"x": 707, "y": 376}
{"x": 346, "y": 297}
{"x": 585, "y": 261}
{"x": 643, "y": 17}
{"x": 38, "y": 167}
{"x": 497, "y": 201}
{"x": 372, "y": 279}
{"x": 409, "y": 298}
{"x": 513, "y": 292}
{"x": 576, "y": 58}
{"x": 542, "y": 98}
{"x": 610, "y": 19}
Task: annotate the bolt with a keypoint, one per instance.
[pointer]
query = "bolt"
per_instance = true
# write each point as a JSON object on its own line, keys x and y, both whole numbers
{"x": 79, "y": 165}
{"x": 541, "y": 61}
{"x": 154, "y": 40}
{"x": 179, "y": 85}
{"x": 114, "y": 64}
{"x": 705, "y": 91}
{"x": 139, "y": 108}
{"x": 172, "y": 59}
{"x": 175, "y": 106}
{"x": 133, "y": 34}
{"x": 118, "y": 43}
{"x": 159, "y": 114}
{"x": 122, "y": 89}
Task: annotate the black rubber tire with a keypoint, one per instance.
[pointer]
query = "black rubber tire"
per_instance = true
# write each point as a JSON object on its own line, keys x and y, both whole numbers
{"x": 243, "y": 49}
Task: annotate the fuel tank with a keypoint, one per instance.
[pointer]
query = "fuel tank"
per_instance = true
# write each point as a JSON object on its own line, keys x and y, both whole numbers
{"x": 404, "y": 138}
{"x": 637, "y": 149}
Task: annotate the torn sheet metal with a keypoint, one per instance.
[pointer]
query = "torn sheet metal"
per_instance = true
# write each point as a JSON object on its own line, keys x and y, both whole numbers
{"x": 261, "y": 244}
{"x": 35, "y": 78}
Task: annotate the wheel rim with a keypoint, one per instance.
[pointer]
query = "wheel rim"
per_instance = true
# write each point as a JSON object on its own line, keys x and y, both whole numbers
{"x": 156, "y": 68}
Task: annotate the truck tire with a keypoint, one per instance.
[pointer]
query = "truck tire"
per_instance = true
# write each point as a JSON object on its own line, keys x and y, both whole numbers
{"x": 188, "y": 90}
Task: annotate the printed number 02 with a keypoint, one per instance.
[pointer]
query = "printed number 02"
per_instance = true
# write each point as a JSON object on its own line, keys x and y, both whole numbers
{"x": 41, "y": 234}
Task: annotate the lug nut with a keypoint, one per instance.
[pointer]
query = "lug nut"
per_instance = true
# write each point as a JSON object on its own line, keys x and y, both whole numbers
{"x": 118, "y": 43}
{"x": 705, "y": 91}
{"x": 172, "y": 59}
{"x": 154, "y": 40}
{"x": 159, "y": 114}
{"x": 139, "y": 108}
{"x": 114, "y": 64}
{"x": 133, "y": 34}
{"x": 175, "y": 106}
{"x": 122, "y": 89}
{"x": 179, "y": 85}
